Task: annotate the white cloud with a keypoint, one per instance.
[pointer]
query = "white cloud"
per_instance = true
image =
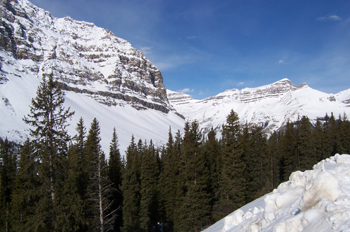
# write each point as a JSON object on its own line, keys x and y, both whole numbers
{"x": 240, "y": 83}
{"x": 281, "y": 61}
{"x": 186, "y": 90}
{"x": 191, "y": 37}
{"x": 329, "y": 18}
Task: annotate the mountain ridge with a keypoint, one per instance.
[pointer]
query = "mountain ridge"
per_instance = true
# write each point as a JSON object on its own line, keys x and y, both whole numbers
{"x": 270, "y": 106}
{"x": 105, "y": 77}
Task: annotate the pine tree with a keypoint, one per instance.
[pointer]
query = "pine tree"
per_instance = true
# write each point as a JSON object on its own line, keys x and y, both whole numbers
{"x": 131, "y": 189}
{"x": 258, "y": 162}
{"x": 25, "y": 197}
{"x": 99, "y": 188}
{"x": 305, "y": 142}
{"x": 70, "y": 216}
{"x": 319, "y": 140}
{"x": 212, "y": 153}
{"x": 115, "y": 169}
{"x": 168, "y": 178}
{"x": 48, "y": 120}
{"x": 275, "y": 159}
{"x": 149, "y": 174}
{"x": 8, "y": 165}
{"x": 289, "y": 151}
{"x": 333, "y": 135}
{"x": 195, "y": 174}
{"x": 344, "y": 135}
{"x": 232, "y": 186}
{"x": 180, "y": 183}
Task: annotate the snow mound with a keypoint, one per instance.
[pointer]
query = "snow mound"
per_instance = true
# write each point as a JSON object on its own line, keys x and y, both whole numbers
{"x": 314, "y": 200}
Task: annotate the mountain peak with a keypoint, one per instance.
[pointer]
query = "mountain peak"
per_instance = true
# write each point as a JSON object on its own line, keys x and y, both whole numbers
{"x": 269, "y": 106}
{"x": 93, "y": 64}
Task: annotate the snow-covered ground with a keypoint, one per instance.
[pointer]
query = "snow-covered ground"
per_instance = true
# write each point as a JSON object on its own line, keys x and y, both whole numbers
{"x": 314, "y": 200}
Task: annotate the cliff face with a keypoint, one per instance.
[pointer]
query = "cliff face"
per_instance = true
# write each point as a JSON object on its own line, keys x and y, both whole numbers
{"x": 86, "y": 58}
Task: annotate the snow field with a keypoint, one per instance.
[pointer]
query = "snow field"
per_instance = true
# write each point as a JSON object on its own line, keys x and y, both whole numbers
{"x": 314, "y": 200}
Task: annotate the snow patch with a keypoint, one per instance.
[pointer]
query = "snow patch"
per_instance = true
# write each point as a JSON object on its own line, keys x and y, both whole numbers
{"x": 314, "y": 200}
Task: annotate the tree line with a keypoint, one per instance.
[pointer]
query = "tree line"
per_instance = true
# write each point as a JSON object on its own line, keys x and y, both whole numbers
{"x": 54, "y": 182}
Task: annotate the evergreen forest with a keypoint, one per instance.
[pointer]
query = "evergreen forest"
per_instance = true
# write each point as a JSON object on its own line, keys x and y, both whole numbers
{"x": 55, "y": 182}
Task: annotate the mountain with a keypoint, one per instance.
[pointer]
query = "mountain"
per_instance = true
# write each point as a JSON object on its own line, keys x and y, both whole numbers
{"x": 270, "y": 106}
{"x": 103, "y": 76}
{"x": 314, "y": 200}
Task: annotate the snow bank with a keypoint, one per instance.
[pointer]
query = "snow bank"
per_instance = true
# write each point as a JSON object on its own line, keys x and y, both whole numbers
{"x": 315, "y": 200}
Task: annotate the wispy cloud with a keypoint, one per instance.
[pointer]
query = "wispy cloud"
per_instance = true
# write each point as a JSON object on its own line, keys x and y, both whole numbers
{"x": 173, "y": 61}
{"x": 146, "y": 50}
{"x": 240, "y": 83}
{"x": 280, "y": 62}
{"x": 329, "y": 18}
{"x": 186, "y": 90}
{"x": 191, "y": 37}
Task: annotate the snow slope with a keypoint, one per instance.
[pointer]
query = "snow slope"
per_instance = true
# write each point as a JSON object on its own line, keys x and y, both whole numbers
{"x": 143, "y": 124}
{"x": 314, "y": 200}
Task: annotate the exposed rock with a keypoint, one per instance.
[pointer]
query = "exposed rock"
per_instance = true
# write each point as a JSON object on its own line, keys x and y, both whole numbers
{"x": 84, "y": 57}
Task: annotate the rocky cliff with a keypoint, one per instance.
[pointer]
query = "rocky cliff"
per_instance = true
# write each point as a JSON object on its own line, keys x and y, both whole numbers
{"x": 88, "y": 59}
{"x": 103, "y": 76}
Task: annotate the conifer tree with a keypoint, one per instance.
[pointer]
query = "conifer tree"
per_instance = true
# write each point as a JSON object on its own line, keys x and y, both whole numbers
{"x": 258, "y": 162}
{"x": 212, "y": 153}
{"x": 99, "y": 188}
{"x": 149, "y": 189}
{"x": 333, "y": 135}
{"x": 344, "y": 135}
{"x": 48, "y": 121}
{"x": 327, "y": 138}
{"x": 195, "y": 174}
{"x": 179, "y": 192}
{"x": 232, "y": 187}
{"x": 168, "y": 178}
{"x": 8, "y": 165}
{"x": 131, "y": 189}
{"x": 306, "y": 152}
{"x": 289, "y": 151}
{"x": 275, "y": 159}
{"x": 319, "y": 140}
{"x": 115, "y": 169}
{"x": 70, "y": 216}
{"x": 25, "y": 197}
{"x": 78, "y": 151}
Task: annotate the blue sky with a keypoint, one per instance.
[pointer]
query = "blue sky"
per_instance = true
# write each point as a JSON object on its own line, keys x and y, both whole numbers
{"x": 205, "y": 47}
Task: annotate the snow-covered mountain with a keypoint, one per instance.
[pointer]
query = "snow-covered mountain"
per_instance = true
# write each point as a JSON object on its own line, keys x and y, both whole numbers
{"x": 270, "y": 106}
{"x": 315, "y": 200}
{"x": 103, "y": 75}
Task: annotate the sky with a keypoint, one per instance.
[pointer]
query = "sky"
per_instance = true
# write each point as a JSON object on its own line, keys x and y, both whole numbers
{"x": 205, "y": 47}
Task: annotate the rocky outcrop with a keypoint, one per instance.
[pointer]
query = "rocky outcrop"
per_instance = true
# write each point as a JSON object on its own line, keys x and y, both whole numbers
{"x": 84, "y": 57}
{"x": 248, "y": 95}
